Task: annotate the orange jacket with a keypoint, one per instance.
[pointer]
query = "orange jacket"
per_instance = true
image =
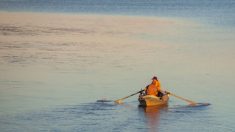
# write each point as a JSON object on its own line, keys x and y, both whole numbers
{"x": 153, "y": 89}
{"x": 158, "y": 85}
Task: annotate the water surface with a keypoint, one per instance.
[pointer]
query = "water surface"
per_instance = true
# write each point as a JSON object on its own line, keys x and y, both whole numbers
{"x": 54, "y": 67}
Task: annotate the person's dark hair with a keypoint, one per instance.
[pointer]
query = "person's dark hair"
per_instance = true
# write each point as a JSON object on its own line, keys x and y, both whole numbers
{"x": 154, "y": 78}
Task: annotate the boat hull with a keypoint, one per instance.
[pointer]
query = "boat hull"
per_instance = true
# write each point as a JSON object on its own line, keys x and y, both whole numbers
{"x": 151, "y": 100}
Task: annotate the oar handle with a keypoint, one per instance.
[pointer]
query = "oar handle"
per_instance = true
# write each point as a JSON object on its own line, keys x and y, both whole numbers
{"x": 120, "y": 100}
{"x": 187, "y": 100}
{"x": 131, "y": 95}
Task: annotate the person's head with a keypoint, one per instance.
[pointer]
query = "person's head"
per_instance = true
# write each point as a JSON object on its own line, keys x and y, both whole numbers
{"x": 154, "y": 79}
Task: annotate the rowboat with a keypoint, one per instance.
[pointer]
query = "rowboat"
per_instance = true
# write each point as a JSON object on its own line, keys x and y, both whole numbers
{"x": 151, "y": 100}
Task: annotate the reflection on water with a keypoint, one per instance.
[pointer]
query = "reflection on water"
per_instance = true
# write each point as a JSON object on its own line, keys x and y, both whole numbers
{"x": 152, "y": 115}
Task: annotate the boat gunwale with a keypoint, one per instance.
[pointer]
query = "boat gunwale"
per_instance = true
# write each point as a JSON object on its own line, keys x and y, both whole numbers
{"x": 161, "y": 101}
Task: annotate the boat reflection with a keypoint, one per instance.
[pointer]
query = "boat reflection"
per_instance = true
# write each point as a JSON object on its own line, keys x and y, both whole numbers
{"x": 152, "y": 115}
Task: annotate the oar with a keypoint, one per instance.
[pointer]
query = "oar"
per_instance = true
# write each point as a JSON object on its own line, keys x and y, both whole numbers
{"x": 119, "y": 101}
{"x": 192, "y": 103}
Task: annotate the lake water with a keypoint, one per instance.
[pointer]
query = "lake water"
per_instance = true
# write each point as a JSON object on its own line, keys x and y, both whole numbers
{"x": 56, "y": 64}
{"x": 215, "y": 11}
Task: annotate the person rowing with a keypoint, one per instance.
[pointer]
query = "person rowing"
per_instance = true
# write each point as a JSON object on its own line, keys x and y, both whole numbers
{"x": 154, "y": 88}
{"x": 152, "y": 95}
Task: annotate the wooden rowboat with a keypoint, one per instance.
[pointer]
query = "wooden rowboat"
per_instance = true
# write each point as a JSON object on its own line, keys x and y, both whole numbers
{"x": 151, "y": 100}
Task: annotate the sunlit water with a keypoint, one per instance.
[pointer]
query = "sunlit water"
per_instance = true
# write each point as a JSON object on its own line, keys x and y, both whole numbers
{"x": 51, "y": 82}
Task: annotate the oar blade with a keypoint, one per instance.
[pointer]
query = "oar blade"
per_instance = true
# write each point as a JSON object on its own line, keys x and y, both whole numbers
{"x": 199, "y": 104}
{"x": 104, "y": 100}
{"x": 118, "y": 101}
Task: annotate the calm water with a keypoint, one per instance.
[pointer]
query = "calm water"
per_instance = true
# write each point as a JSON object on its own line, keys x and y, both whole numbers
{"x": 50, "y": 85}
{"x": 209, "y": 11}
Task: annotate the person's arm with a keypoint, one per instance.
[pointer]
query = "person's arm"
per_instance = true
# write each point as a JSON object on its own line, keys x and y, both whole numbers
{"x": 145, "y": 89}
{"x": 160, "y": 89}
{"x": 159, "y": 86}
